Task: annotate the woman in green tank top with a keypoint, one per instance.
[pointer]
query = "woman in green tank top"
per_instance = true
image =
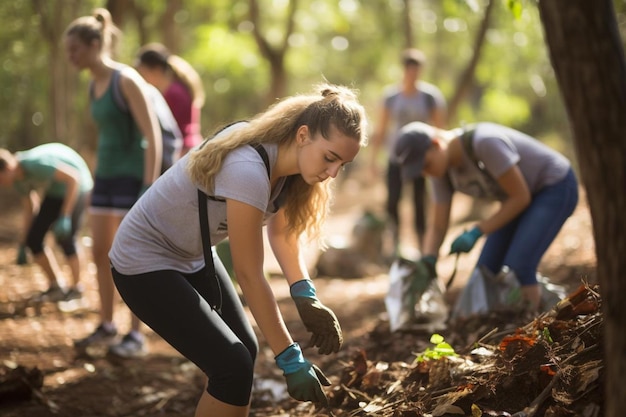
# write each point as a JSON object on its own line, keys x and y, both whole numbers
{"x": 128, "y": 159}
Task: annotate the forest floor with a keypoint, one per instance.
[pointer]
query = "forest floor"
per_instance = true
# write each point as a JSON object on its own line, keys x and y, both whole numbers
{"x": 555, "y": 361}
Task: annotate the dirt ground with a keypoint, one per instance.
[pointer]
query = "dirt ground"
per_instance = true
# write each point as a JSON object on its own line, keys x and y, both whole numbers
{"x": 40, "y": 337}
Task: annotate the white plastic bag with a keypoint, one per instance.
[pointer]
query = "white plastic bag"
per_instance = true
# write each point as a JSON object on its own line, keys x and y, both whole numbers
{"x": 397, "y": 301}
{"x": 485, "y": 291}
{"x": 418, "y": 304}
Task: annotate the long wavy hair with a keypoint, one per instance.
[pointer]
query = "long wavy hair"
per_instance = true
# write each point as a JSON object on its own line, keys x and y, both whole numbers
{"x": 306, "y": 206}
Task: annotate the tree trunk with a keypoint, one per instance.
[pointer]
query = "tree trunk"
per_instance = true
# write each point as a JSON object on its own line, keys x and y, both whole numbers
{"x": 274, "y": 55}
{"x": 467, "y": 77}
{"x": 169, "y": 29}
{"x": 407, "y": 25}
{"x": 52, "y": 27}
{"x": 588, "y": 59}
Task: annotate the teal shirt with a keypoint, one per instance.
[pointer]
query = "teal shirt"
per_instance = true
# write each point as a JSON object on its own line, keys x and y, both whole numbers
{"x": 41, "y": 162}
{"x": 120, "y": 150}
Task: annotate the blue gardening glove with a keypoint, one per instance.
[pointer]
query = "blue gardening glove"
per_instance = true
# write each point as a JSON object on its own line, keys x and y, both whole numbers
{"x": 304, "y": 380}
{"x": 430, "y": 261}
{"x": 21, "y": 255}
{"x": 317, "y": 318}
{"x": 63, "y": 227}
{"x": 466, "y": 241}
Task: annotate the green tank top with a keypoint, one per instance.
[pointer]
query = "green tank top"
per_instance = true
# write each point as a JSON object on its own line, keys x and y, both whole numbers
{"x": 120, "y": 150}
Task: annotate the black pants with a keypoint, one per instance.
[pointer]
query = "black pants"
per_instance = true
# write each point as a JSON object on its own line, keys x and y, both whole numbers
{"x": 175, "y": 306}
{"x": 49, "y": 212}
{"x": 394, "y": 190}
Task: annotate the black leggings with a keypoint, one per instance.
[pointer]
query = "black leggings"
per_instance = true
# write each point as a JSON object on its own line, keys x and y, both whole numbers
{"x": 49, "y": 212}
{"x": 174, "y": 305}
{"x": 394, "y": 189}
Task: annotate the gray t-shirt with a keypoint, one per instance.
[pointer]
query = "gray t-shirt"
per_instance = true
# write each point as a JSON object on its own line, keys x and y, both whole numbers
{"x": 403, "y": 109}
{"x": 162, "y": 230}
{"x": 498, "y": 148}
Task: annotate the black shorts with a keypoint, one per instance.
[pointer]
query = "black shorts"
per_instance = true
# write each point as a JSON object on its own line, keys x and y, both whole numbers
{"x": 115, "y": 194}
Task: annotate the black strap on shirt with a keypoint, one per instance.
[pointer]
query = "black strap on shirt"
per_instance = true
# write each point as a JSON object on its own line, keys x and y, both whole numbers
{"x": 205, "y": 233}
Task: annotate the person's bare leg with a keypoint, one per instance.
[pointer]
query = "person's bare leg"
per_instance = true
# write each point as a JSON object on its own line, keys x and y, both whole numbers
{"x": 209, "y": 406}
{"x": 74, "y": 262}
{"x": 48, "y": 263}
{"x": 531, "y": 294}
{"x": 135, "y": 323}
{"x": 103, "y": 228}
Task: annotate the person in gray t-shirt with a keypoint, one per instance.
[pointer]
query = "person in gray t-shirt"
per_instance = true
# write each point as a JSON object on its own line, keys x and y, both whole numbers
{"x": 273, "y": 170}
{"x": 411, "y": 100}
{"x": 535, "y": 185}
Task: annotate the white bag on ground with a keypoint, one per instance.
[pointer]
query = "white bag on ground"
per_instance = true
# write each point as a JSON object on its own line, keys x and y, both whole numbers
{"x": 413, "y": 297}
{"x": 485, "y": 291}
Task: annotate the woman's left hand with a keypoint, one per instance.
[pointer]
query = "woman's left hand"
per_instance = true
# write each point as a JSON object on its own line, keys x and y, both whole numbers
{"x": 466, "y": 241}
{"x": 317, "y": 318}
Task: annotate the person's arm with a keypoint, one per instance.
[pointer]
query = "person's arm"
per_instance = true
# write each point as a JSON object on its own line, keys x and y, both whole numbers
{"x": 30, "y": 204}
{"x": 286, "y": 249}
{"x": 518, "y": 198}
{"x": 246, "y": 243}
{"x": 304, "y": 380}
{"x": 438, "y": 118}
{"x": 437, "y": 227}
{"x": 70, "y": 177}
{"x": 146, "y": 120}
{"x": 379, "y": 136}
{"x": 318, "y": 319}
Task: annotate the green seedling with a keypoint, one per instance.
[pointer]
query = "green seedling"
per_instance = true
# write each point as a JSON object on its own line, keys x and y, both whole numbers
{"x": 441, "y": 349}
{"x": 547, "y": 336}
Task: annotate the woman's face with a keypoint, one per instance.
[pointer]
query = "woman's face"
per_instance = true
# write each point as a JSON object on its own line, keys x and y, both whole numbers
{"x": 320, "y": 158}
{"x": 435, "y": 162}
{"x": 80, "y": 54}
{"x": 151, "y": 75}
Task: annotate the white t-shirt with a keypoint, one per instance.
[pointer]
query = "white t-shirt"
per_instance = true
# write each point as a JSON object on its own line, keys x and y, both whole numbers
{"x": 162, "y": 230}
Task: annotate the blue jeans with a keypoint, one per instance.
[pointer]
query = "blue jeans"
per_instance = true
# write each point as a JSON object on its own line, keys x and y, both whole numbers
{"x": 521, "y": 244}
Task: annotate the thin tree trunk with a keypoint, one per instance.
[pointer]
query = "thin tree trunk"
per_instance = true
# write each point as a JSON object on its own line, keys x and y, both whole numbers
{"x": 407, "y": 25}
{"x": 467, "y": 77}
{"x": 588, "y": 59}
{"x": 274, "y": 55}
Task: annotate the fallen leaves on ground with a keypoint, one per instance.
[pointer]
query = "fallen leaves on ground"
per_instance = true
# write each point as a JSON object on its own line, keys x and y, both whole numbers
{"x": 550, "y": 366}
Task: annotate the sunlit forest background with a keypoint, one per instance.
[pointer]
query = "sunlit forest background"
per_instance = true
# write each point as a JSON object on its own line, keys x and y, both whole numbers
{"x": 487, "y": 56}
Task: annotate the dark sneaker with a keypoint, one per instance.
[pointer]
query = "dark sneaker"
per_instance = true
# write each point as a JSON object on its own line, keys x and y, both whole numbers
{"x": 101, "y": 336}
{"x": 131, "y": 346}
{"x": 52, "y": 295}
{"x": 73, "y": 294}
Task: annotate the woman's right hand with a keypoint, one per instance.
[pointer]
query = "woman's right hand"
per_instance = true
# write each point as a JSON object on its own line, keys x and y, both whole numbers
{"x": 304, "y": 380}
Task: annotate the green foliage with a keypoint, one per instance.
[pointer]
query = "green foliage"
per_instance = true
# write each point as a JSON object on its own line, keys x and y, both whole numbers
{"x": 497, "y": 105}
{"x": 232, "y": 75}
{"x": 515, "y": 6}
{"x": 440, "y": 350}
{"x": 335, "y": 41}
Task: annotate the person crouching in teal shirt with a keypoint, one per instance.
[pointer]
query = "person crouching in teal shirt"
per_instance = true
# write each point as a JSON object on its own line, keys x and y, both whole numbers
{"x": 64, "y": 180}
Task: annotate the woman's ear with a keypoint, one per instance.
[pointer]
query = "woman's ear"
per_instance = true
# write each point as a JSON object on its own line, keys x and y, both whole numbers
{"x": 302, "y": 135}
